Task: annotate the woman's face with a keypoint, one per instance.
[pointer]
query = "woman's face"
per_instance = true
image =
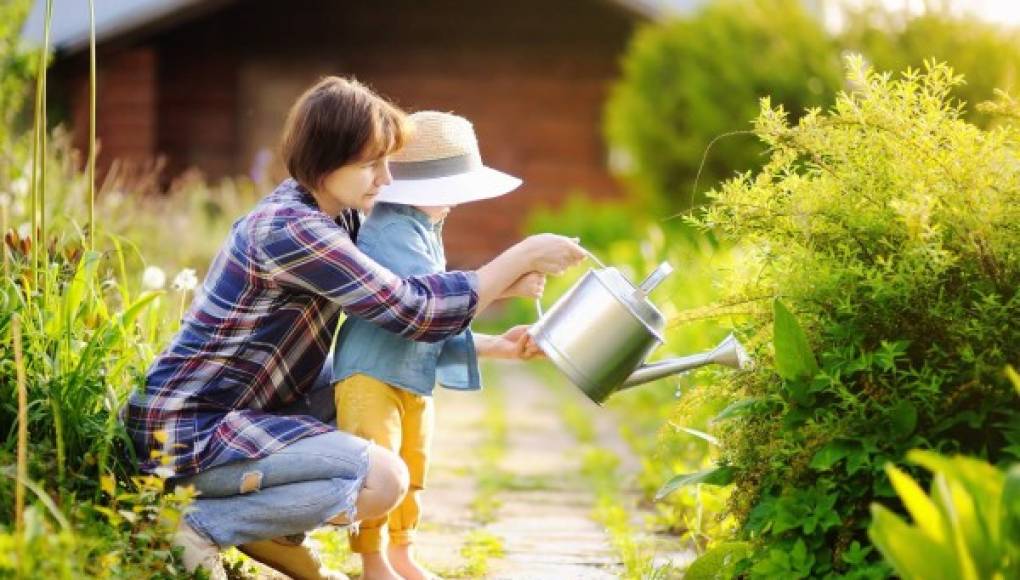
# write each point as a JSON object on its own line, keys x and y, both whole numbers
{"x": 353, "y": 186}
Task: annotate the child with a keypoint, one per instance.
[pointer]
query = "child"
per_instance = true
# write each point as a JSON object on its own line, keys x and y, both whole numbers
{"x": 384, "y": 381}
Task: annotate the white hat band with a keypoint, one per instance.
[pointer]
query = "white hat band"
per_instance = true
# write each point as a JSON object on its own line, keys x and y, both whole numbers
{"x": 436, "y": 168}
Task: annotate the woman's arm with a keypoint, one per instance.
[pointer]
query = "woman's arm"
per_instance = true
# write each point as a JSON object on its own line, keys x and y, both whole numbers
{"x": 313, "y": 254}
{"x": 542, "y": 253}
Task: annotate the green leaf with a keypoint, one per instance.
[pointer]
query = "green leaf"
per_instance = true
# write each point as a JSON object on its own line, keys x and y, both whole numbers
{"x": 1010, "y": 514}
{"x": 86, "y": 272}
{"x": 722, "y": 475}
{"x": 717, "y": 563}
{"x": 832, "y": 453}
{"x": 1013, "y": 377}
{"x": 926, "y": 514}
{"x": 912, "y": 554}
{"x": 700, "y": 435}
{"x": 794, "y": 359}
{"x": 903, "y": 418}
{"x": 737, "y": 408}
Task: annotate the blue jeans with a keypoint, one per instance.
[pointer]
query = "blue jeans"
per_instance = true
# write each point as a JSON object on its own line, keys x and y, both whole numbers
{"x": 296, "y": 489}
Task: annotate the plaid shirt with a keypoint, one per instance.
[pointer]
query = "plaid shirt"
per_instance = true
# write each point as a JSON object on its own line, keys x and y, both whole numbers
{"x": 257, "y": 336}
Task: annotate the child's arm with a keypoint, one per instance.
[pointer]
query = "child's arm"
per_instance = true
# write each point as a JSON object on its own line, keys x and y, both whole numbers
{"x": 512, "y": 344}
{"x": 530, "y": 285}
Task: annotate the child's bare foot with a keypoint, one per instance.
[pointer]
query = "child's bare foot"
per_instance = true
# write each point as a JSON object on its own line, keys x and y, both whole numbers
{"x": 402, "y": 560}
{"x": 375, "y": 566}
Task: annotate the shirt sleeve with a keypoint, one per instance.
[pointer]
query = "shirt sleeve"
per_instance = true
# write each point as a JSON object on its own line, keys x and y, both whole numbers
{"x": 313, "y": 254}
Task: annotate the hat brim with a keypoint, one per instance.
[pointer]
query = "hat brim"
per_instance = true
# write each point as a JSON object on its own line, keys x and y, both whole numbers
{"x": 482, "y": 183}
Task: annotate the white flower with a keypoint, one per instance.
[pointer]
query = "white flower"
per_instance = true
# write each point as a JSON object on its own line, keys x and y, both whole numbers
{"x": 25, "y": 230}
{"x": 19, "y": 187}
{"x": 164, "y": 472}
{"x": 113, "y": 198}
{"x": 185, "y": 280}
{"x": 153, "y": 278}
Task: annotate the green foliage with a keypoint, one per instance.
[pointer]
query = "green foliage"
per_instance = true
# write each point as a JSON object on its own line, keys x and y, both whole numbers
{"x": 126, "y": 535}
{"x": 711, "y": 476}
{"x": 794, "y": 360}
{"x": 687, "y": 81}
{"x": 719, "y": 563}
{"x": 87, "y": 332}
{"x": 969, "y": 527}
{"x": 986, "y": 54}
{"x": 597, "y": 223}
{"x": 889, "y": 227}
{"x": 17, "y": 70}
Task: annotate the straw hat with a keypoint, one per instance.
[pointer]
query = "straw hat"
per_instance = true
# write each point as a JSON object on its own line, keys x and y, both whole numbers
{"x": 441, "y": 165}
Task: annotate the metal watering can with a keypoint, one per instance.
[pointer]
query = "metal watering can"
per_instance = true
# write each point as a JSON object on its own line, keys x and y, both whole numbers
{"x": 600, "y": 332}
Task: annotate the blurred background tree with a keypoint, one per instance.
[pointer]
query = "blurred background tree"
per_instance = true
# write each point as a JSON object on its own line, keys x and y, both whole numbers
{"x": 987, "y": 55}
{"x": 690, "y": 80}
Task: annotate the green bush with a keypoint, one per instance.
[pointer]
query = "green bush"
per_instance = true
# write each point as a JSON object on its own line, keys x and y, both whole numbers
{"x": 890, "y": 227}
{"x": 17, "y": 70}
{"x": 688, "y": 81}
{"x": 968, "y": 528}
{"x": 986, "y": 54}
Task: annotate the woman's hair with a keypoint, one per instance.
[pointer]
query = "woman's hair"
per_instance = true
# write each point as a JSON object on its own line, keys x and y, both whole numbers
{"x": 335, "y": 122}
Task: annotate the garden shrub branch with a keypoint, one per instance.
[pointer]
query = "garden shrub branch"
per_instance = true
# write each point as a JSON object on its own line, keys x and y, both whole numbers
{"x": 887, "y": 225}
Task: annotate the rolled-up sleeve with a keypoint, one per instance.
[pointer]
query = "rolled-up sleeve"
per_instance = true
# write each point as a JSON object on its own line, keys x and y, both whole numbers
{"x": 313, "y": 254}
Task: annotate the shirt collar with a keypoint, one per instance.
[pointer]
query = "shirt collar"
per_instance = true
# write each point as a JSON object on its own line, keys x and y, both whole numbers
{"x": 408, "y": 210}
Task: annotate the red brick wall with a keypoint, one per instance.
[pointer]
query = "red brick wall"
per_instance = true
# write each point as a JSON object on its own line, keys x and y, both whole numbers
{"x": 126, "y": 107}
{"x": 532, "y": 75}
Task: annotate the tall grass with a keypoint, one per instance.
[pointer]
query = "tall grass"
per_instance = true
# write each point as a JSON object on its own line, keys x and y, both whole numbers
{"x": 72, "y": 348}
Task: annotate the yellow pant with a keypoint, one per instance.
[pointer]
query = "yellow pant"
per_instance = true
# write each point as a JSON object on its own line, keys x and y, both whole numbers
{"x": 402, "y": 422}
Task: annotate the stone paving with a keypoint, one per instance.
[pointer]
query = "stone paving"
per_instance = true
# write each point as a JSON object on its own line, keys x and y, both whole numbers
{"x": 544, "y": 520}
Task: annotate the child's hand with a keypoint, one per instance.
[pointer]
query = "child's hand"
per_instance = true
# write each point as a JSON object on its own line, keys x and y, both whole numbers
{"x": 530, "y": 285}
{"x": 512, "y": 344}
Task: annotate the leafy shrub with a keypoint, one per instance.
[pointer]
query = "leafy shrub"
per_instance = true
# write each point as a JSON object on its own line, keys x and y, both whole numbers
{"x": 75, "y": 339}
{"x": 986, "y": 54}
{"x": 889, "y": 227}
{"x": 687, "y": 81}
{"x": 17, "y": 70}
{"x": 968, "y": 528}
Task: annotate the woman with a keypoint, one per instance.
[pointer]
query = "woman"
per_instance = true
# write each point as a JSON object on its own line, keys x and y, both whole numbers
{"x": 213, "y": 411}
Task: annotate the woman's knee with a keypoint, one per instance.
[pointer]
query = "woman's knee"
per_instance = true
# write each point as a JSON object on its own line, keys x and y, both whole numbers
{"x": 386, "y": 484}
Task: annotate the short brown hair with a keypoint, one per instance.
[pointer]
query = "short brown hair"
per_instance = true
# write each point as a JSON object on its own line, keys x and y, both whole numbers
{"x": 337, "y": 121}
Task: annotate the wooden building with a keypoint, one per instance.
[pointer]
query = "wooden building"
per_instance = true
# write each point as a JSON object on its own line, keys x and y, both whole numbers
{"x": 208, "y": 83}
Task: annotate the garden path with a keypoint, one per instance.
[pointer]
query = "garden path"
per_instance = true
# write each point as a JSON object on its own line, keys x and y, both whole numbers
{"x": 540, "y": 505}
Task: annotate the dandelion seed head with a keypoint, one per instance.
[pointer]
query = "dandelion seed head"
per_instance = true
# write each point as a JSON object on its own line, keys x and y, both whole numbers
{"x": 19, "y": 187}
{"x": 185, "y": 280}
{"x": 164, "y": 472}
{"x": 153, "y": 278}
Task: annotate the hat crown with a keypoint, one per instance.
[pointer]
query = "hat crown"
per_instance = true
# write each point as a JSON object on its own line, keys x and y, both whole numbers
{"x": 438, "y": 135}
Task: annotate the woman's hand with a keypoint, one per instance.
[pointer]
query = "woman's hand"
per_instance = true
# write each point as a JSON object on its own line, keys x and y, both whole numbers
{"x": 542, "y": 253}
{"x": 552, "y": 254}
{"x": 530, "y": 285}
{"x": 515, "y": 343}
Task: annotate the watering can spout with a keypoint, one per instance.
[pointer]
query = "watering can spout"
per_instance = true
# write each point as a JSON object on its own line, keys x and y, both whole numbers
{"x": 729, "y": 352}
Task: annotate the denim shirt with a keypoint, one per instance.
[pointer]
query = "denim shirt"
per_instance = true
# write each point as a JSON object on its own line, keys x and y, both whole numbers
{"x": 404, "y": 240}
